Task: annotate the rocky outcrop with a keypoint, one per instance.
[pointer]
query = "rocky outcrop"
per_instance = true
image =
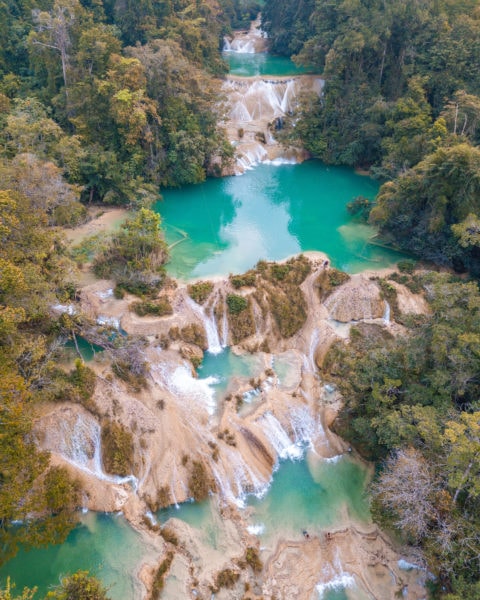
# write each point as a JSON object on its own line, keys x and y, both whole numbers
{"x": 356, "y": 300}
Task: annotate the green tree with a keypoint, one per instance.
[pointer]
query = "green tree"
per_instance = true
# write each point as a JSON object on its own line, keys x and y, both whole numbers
{"x": 136, "y": 255}
{"x": 79, "y": 586}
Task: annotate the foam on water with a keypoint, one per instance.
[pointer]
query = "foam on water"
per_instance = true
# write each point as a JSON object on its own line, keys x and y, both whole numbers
{"x": 181, "y": 382}
{"x": 210, "y": 325}
{"x": 339, "y": 582}
{"x": 256, "y": 529}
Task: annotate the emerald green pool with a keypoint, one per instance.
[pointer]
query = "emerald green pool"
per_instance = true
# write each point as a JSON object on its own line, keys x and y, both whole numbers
{"x": 313, "y": 494}
{"x": 226, "y": 365}
{"x": 261, "y": 63}
{"x": 227, "y": 225}
{"x": 86, "y": 349}
{"x": 104, "y": 545}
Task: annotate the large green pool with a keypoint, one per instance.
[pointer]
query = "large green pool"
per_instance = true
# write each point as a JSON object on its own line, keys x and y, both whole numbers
{"x": 227, "y": 225}
{"x": 103, "y": 544}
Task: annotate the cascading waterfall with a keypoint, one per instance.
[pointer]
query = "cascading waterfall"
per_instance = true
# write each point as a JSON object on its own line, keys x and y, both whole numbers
{"x": 279, "y": 438}
{"x": 247, "y": 42}
{"x": 306, "y": 428}
{"x": 309, "y": 361}
{"x": 224, "y": 326}
{"x": 386, "y": 314}
{"x": 179, "y": 381}
{"x": 261, "y": 99}
{"x": 210, "y": 325}
{"x": 79, "y": 443}
{"x": 255, "y": 105}
{"x": 306, "y": 431}
{"x": 250, "y": 158}
{"x": 244, "y": 46}
{"x": 242, "y": 481}
{"x": 335, "y": 578}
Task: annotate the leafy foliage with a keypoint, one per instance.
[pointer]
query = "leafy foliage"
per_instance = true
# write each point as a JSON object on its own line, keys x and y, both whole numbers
{"x": 79, "y": 586}
{"x": 200, "y": 291}
{"x": 159, "y": 307}
{"x": 117, "y": 449}
{"x": 236, "y": 304}
{"x": 413, "y": 400}
{"x": 136, "y": 255}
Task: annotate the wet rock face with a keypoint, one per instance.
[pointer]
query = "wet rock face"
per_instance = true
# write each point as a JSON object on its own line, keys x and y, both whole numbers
{"x": 192, "y": 353}
{"x": 356, "y": 300}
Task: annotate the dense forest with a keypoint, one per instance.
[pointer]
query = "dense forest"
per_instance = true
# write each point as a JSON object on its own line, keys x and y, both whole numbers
{"x": 402, "y": 99}
{"x": 103, "y": 101}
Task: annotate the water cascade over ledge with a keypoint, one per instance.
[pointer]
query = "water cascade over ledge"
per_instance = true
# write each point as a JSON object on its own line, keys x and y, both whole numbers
{"x": 257, "y": 107}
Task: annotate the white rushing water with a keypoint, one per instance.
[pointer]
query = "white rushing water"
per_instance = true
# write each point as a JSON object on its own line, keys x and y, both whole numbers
{"x": 279, "y": 438}
{"x": 334, "y": 577}
{"x": 261, "y": 99}
{"x": 78, "y": 441}
{"x": 309, "y": 360}
{"x": 386, "y": 314}
{"x": 338, "y": 582}
{"x": 178, "y": 380}
{"x": 242, "y": 481}
{"x": 210, "y": 325}
{"x": 242, "y": 46}
{"x": 246, "y": 42}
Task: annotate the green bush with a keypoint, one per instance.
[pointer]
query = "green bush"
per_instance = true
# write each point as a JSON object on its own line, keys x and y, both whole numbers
{"x": 248, "y": 279}
{"x": 406, "y": 266}
{"x": 135, "y": 256}
{"x": 79, "y": 586}
{"x": 117, "y": 449}
{"x": 236, "y": 304}
{"x": 330, "y": 279}
{"x": 227, "y": 578}
{"x": 159, "y": 577}
{"x": 158, "y": 308}
{"x": 200, "y": 291}
{"x": 61, "y": 492}
{"x": 252, "y": 558}
{"x": 199, "y": 483}
{"x": 192, "y": 333}
{"x": 280, "y": 271}
{"x": 69, "y": 215}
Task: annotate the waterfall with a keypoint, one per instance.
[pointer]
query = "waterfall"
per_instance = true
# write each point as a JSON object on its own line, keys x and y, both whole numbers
{"x": 251, "y": 157}
{"x": 224, "y": 326}
{"x": 108, "y": 322}
{"x": 79, "y": 443}
{"x": 335, "y": 578}
{"x": 210, "y": 325}
{"x": 278, "y": 437}
{"x": 247, "y": 42}
{"x": 306, "y": 430}
{"x": 386, "y": 314}
{"x": 238, "y": 479}
{"x": 260, "y": 99}
{"x": 309, "y": 361}
{"x": 305, "y": 427}
{"x": 242, "y": 46}
{"x": 180, "y": 382}
{"x": 256, "y": 529}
